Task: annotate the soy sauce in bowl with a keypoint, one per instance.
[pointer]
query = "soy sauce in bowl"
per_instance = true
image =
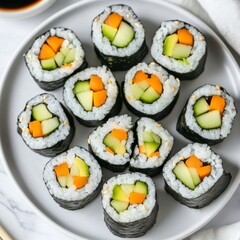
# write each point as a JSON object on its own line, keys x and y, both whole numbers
{"x": 17, "y": 5}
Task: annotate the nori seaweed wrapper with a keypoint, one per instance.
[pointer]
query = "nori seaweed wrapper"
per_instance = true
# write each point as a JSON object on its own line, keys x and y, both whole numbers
{"x": 151, "y": 172}
{"x": 132, "y": 229}
{"x": 206, "y": 198}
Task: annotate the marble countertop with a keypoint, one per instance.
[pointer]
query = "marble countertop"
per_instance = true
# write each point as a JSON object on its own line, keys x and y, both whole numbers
{"x": 15, "y": 215}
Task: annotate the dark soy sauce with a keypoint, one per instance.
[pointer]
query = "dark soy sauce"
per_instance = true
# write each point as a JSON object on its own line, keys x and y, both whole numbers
{"x": 16, "y": 5}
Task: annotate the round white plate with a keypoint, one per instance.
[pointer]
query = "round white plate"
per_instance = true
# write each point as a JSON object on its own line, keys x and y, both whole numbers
{"x": 174, "y": 221}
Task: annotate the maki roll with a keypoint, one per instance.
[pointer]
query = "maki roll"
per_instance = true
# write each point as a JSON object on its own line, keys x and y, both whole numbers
{"x": 180, "y": 48}
{"x": 154, "y": 144}
{"x": 92, "y": 96}
{"x": 208, "y": 115}
{"x": 54, "y": 56}
{"x": 73, "y": 178}
{"x": 45, "y": 125}
{"x": 195, "y": 176}
{"x": 119, "y": 37}
{"x": 149, "y": 91}
{"x": 111, "y": 143}
{"x": 129, "y": 204}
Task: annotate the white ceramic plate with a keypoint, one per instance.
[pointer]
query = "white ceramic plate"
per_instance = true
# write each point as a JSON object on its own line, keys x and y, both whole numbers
{"x": 174, "y": 221}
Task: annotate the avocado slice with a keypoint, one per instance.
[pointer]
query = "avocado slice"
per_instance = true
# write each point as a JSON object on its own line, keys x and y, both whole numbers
{"x": 119, "y": 194}
{"x": 141, "y": 187}
{"x": 49, "y": 125}
{"x": 114, "y": 144}
{"x": 195, "y": 177}
{"x": 137, "y": 91}
{"x": 109, "y": 31}
{"x": 86, "y": 99}
{"x": 40, "y": 112}
{"x": 82, "y": 167}
{"x": 169, "y": 44}
{"x": 151, "y": 147}
{"x": 70, "y": 57}
{"x": 181, "y": 51}
{"x": 149, "y": 96}
{"x": 59, "y": 58}
{"x": 48, "y": 64}
{"x": 127, "y": 188}
{"x": 124, "y": 35}
{"x": 81, "y": 86}
{"x": 183, "y": 174}
{"x": 119, "y": 206}
{"x": 210, "y": 120}
{"x": 201, "y": 106}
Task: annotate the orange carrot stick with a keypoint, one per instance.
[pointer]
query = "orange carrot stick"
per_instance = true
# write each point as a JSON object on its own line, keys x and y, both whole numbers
{"x": 142, "y": 149}
{"x": 154, "y": 154}
{"x": 46, "y": 52}
{"x": 35, "y": 129}
{"x": 109, "y": 150}
{"x": 55, "y": 43}
{"x": 113, "y": 20}
{"x": 61, "y": 169}
{"x": 217, "y": 103}
{"x": 140, "y": 76}
{"x": 99, "y": 98}
{"x": 193, "y": 162}
{"x": 120, "y": 134}
{"x": 96, "y": 83}
{"x": 155, "y": 83}
{"x": 185, "y": 37}
{"x": 204, "y": 171}
{"x": 136, "y": 198}
{"x": 80, "y": 182}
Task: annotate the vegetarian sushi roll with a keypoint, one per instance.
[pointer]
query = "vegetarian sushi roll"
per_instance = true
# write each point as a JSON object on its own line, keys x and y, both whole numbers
{"x": 150, "y": 91}
{"x": 45, "y": 125}
{"x": 73, "y": 178}
{"x": 92, "y": 96}
{"x": 195, "y": 176}
{"x": 111, "y": 143}
{"x": 54, "y": 56}
{"x": 208, "y": 115}
{"x": 180, "y": 48}
{"x": 153, "y": 145}
{"x": 119, "y": 37}
{"x": 129, "y": 204}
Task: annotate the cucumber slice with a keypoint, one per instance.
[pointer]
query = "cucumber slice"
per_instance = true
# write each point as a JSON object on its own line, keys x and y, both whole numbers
{"x": 74, "y": 171}
{"x": 156, "y": 138}
{"x": 108, "y": 31}
{"x": 151, "y": 147}
{"x": 124, "y": 35}
{"x": 201, "y": 106}
{"x": 70, "y": 56}
{"x": 82, "y": 167}
{"x": 147, "y": 136}
{"x": 119, "y": 206}
{"x": 69, "y": 181}
{"x": 59, "y": 58}
{"x": 141, "y": 187}
{"x": 181, "y": 51}
{"x": 49, "y": 125}
{"x": 40, "y": 112}
{"x": 169, "y": 44}
{"x": 81, "y": 86}
{"x": 64, "y": 50}
{"x": 48, "y": 64}
{"x": 86, "y": 99}
{"x": 137, "y": 91}
{"x": 149, "y": 96}
{"x": 114, "y": 144}
{"x": 143, "y": 84}
{"x": 195, "y": 176}
{"x": 62, "y": 180}
{"x": 210, "y": 120}
{"x": 119, "y": 194}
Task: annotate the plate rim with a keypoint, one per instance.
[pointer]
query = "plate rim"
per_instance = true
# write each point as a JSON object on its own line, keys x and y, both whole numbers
{"x": 34, "y": 33}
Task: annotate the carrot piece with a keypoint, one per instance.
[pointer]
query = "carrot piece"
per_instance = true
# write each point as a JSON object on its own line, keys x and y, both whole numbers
{"x": 204, "y": 171}
{"x": 120, "y": 134}
{"x": 136, "y": 198}
{"x": 61, "y": 169}
{"x": 154, "y": 154}
{"x": 35, "y": 128}
{"x": 155, "y": 83}
{"x": 79, "y": 181}
{"x": 99, "y": 98}
{"x": 140, "y": 76}
{"x": 67, "y": 65}
{"x": 185, "y": 37}
{"x": 113, "y": 20}
{"x": 96, "y": 83}
{"x": 217, "y": 103}
{"x": 109, "y": 150}
{"x": 55, "y": 43}
{"x": 46, "y": 52}
{"x": 193, "y": 162}
{"x": 142, "y": 149}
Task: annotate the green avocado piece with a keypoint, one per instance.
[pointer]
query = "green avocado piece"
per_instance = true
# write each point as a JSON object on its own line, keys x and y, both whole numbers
{"x": 137, "y": 91}
{"x": 81, "y": 86}
{"x": 201, "y": 106}
{"x": 181, "y": 51}
{"x": 169, "y": 44}
{"x": 151, "y": 147}
{"x": 119, "y": 194}
{"x": 210, "y": 120}
{"x": 127, "y": 188}
{"x": 86, "y": 99}
{"x": 48, "y": 64}
{"x": 49, "y": 125}
{"x": 119, "y": 206}
{"x": 149, "y": 96}
{"x": 114, "y": 144}
{"x": 195, "y": 177}
{"x": 40, "y": 112}
{"x": 141, "y": 187}
{"x": 82, "y": 167}
{"x": 108, "y": 31}
{"x": 59, "y": 58}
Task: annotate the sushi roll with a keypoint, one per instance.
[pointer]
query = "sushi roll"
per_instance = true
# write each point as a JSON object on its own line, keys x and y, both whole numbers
{"x": 180, "y": 48}
{"x": 54, "y": 56}
{"x": 153, "y": 145}
{"x": 208, "y": 115}
{"x": 149, "y": 91}
{"x": 119, "y": 37}
{"x": 73, "y": 178}
{"x": 129, "y": 204}
{"x": 45, "y": 125}
{"x": 111, "y": 143}
{"x": 92, "y": 96}
{"x": 195, "y": 176}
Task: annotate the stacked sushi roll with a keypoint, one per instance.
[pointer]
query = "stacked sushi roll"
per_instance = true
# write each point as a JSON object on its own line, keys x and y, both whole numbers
{"x": 45, "y": 125}
{"x": 73, "y": 178}
{"x": 195, "y": 176}
{"x": 130, "y": 204}
{"x": 208, "y": 115}
{"x": 150, "y": 91}
{"x": 154, "y": 144}
{"x": 92, "y": 96}
{"x": 119, "y": 37}
{"x": 54, "y": 56}
{"x": 180, "y": 48}
{"x": 111, "y": 143}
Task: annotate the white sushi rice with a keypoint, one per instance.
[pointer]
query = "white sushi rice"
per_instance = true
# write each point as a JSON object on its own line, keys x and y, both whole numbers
{"x": 102, "y": 42}
{"x": 227, "y": 116}
{"x": 34, "y": 64}
{"x": 61, "y": 133}
{"x": 206, "y": 155}
{"x": 97, "y": 113}
{"x": 141, "y": 160}
{"x": 170, "y": 85}
{"x": 96, "y": 139}
{"x": 72, "y": 194}
{"x": 198, "y": 49}
{"x": 134, "y": 211}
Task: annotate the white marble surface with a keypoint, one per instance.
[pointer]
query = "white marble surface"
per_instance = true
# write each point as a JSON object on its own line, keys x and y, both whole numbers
{"x": 15, "y": 215}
